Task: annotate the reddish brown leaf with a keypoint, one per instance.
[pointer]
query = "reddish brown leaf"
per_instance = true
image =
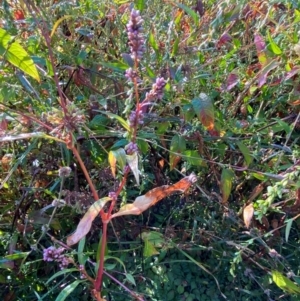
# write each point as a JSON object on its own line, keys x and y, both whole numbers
{"x": 3, "y": 125}
{"x": 199, "y": 8}
{"x": 291, "y": 73}
{"x": 259, "y": 43}
{"x": 264, "y": 73}
{"x": 295, "y": 103}
{"x": 224, "y": 39}
{"x": 153, "y": 196}
{"x": 248, "y": 214}
{"x": 260, "y": 48}
{"x": 19, "y": 15}
{"x": 232, "y": 81}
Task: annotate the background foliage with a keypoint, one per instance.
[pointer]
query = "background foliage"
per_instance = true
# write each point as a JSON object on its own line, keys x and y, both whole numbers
{"x": 230, "y": 114}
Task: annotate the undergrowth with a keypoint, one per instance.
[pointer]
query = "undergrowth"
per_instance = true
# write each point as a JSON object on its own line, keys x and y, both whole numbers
{"x": 149, "y": 150}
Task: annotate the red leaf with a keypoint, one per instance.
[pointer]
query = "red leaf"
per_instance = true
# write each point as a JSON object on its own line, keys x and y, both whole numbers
{"x": 224, "y": 39}
{"x": 291, "y": 73}
{"x": 19, "y": 15}
{"x": 259, "y": 43}
{"x": 232, "y": 81}
{"x": 199, "y": 8}
{"x": 260, "y": 48}
{"x": 265, "y": 71}
{"x": 214, "y": 133}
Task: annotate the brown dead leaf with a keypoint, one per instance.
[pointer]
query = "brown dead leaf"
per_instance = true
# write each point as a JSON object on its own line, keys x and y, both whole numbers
{"x": 153, "y": 196}
{"x": 248, "y": 214}
{"x": 85, "y": 223}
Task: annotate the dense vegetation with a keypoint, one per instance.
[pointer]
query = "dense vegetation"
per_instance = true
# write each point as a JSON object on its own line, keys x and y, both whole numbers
{"x": 149, "y": 150}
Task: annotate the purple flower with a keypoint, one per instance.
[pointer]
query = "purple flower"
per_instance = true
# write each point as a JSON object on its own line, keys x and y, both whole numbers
{"x": 53, "y": 254}
{"x": 112, "y": 195}
{"x": 131, "y": 74}
{"x": 157, "y": 90}
{"x": 135, "y": 35}
{"x": 131, "y": 148}
{"x": 134, "y": 119}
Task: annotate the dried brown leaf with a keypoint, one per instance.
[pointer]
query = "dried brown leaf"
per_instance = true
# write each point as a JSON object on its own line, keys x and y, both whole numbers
{"x": 248, "y": 214}
{"x": 153, "y": 196}
{"x": 85, "y": 223}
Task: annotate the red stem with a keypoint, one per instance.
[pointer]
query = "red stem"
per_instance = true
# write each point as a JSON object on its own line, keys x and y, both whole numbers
{"x": 105, "y": 221}
{"x": 98, "y": 281}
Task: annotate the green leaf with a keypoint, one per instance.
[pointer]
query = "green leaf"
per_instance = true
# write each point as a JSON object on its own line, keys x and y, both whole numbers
{"x": 149, "y": 249}
{"x": 119, "y": 118}
{"x": 143, "y": 146}
{"x": 130, "y": 278}
{"x": 226, "y": 183}
{"x": 81, "y": 257}
{"x": 161, "y": 127}
{"x": 289, "y": 223}
{"x": 152, "y": 42}
{"x": 17, "y": 256}
{"x": 155, "y": 237}
{"x": 68, "y": 290}
{"x": 98, "y": 122}
{"x": 117, "y": 66}
{"x": 273, "y": 46}
{"x": 245, "y": 151}
{"x": 193, "y": 157}
{"x": 17, "y": 55}
{"x": 120, "y": 155}
{"x": 188, "y": 112}
{"x": 139, "y": 4}
{"x": 117, "y": 259}
{"x": 62, "y": 272}
{"x": 175, "y": 47}
{"x": 204, "y": 109}
{"x": 190, "y": 12}
{"x": 285, "y": 283}
{"x": 297, "y": 16}
{"x": 180, "y": 289}
{"x": 178, "y": 18}
{"x": 150, "y": 72}
{"x": 200, "y": 265}
{"x": 177, "y": 147}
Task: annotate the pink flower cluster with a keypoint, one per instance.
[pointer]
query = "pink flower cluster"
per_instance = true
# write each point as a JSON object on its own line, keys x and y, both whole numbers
{"x": 133, "y": 118}
{"x": 135, "y": 35}
{"x": 157, "y": 90}
{"x": 55, "y": 254}
{"x": 131, "y": 148}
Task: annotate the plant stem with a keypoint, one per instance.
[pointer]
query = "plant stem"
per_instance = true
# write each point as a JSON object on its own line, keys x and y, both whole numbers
{"x": 105, "y": 220}
{"x": 86, "y": 174}
{"x": 98, "y": 281}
